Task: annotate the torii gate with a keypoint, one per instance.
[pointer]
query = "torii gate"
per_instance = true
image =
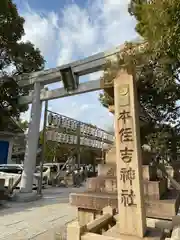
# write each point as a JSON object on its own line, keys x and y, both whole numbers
{"x": 69, "y": 74}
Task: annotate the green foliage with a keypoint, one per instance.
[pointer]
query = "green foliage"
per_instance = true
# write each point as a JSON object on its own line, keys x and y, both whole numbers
{"x": 23, "y": 124}
{"x": 155, "y": 64}
{"x": 50, "y": 148}
{"x": 16, "y": 57}
{"x": 158, "y": 23}
{"x": 105, "y": 99}
{"x": 157, "y": 89}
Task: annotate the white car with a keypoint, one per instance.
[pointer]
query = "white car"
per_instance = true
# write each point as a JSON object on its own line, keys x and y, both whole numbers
{"x": 47, "y": 170}
{"x": 46, "y": 173}
{"x": 8, "y": 171}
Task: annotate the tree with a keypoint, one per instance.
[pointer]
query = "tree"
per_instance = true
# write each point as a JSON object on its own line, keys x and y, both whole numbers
{"x": 16, "y": 57}
{"x": 155, "y": 64}
{"x": 50, "y": 148}
{"x": 23, "y": 124}
{"x": 158, "y": 23}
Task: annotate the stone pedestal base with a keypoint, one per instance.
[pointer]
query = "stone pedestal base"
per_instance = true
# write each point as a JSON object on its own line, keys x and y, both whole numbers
{"x": 151, "y": 234}
{"x": 26, "y": 197}
{"x": 95, "y": 202}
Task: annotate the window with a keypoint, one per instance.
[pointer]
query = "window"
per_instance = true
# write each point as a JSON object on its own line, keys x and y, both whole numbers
{"x": 11, "y": 169}
{"x": 38, "y": 169}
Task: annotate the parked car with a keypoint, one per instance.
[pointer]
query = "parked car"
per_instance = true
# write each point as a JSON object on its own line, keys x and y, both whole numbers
{"x": 14, "y": 171}
{"x": 47, "y": 168}
{"x": 46, "y": 173}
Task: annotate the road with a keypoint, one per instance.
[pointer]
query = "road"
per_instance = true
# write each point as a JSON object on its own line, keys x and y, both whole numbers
{"x": 38, "y": 220}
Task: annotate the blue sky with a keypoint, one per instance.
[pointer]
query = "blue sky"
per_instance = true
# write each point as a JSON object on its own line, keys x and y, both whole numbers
{"x": 67, "y": 30}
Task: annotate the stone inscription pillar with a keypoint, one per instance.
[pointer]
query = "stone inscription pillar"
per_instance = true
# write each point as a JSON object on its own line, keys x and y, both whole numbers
{"x": 32, "y": 142}
{"x": 132, "y": 219}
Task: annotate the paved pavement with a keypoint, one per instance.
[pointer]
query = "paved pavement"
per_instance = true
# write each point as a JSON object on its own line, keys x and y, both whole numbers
{"x": 38, "y": 220}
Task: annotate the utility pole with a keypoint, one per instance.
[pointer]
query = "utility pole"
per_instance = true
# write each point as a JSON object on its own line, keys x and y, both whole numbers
{"x": 94, "y": 162}
{"x": 102, "y": 155}
{"x": 78, "y": 145}
{"x": 103, "y": 152}
{"x": 43, "y": 147}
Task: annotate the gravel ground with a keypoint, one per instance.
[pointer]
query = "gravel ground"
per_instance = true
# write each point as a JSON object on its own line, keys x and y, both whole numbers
{"x": 62, "y": 235}
{"x": 38, "y": 220}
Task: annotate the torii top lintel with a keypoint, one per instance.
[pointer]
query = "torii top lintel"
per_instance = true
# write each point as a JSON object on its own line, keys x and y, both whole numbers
{"x": 69, "y": 75}
{"x": 82, "y": 67}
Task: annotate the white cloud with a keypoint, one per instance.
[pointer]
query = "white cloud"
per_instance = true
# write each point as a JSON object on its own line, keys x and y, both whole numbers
{"x": 41, "y": 30}
{"x": 77, "y": 32}
{"x": 96, "y": 75}
{"x": 26, "y": 115}
{"x": 101, "y": 25}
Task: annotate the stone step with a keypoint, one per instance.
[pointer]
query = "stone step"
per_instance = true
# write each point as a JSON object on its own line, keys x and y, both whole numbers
{"x": 95, "y": 202}
{"x": 109, "y": 169}
{"x": 151, "y": 234}
{"x": 152, "y": 189}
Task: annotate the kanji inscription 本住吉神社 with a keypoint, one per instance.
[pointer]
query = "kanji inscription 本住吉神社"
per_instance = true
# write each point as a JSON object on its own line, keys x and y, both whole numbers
{"x": 128, "y": 157}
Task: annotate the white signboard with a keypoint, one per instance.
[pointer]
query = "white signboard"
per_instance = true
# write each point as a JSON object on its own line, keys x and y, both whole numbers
{"x": 58, "y": 121}
{"x": 72, "y": 139}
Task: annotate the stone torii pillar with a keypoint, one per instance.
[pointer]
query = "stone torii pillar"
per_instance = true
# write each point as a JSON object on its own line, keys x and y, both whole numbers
{"x": 32, "y": 142}
{"x": 132, "y": 217}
